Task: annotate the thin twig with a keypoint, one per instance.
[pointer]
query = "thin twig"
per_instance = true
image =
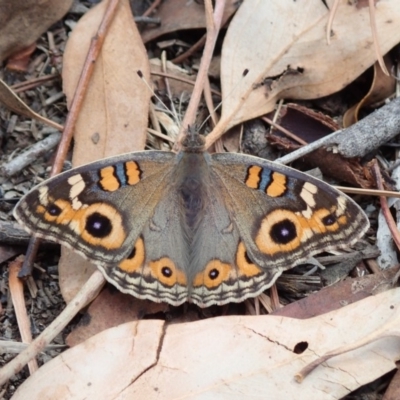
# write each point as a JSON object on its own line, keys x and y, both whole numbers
{"x": 32, "y": 83}
{"x": 385, "y": 208}
{"x": 213, "y": 26}
{"x": 152, "y": 7}
{"x": 18, "y": 300}
{"x": 189, "y": 52}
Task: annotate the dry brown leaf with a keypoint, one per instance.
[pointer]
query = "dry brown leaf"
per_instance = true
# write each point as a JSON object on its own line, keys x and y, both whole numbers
{"x": 114, "y": 116}
{"x": 175, "y": 15}
{"x": 277, "y": 49}
{"x": 382, "y": 87}
{"x": 226, "y": 357}
{"x": 23, "y": 21}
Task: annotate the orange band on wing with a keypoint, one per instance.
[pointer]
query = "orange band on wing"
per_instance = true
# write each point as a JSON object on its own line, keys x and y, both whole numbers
{"x": 253, "y": 177}
{"x": 134, "y": 262}
{"x": 277, "y": 186}
{"x": 133, "y": 172}
{"x": 108, "y": 180}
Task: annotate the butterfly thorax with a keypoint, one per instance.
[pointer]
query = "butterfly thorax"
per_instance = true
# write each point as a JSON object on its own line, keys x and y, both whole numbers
{"x": 192, "y": 183}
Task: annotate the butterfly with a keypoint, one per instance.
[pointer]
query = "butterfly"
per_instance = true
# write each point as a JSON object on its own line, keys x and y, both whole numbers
{"x": 191, "y": 226}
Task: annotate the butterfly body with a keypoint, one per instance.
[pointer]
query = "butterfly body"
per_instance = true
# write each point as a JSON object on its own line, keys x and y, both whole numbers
{"x": 191, "y": 226}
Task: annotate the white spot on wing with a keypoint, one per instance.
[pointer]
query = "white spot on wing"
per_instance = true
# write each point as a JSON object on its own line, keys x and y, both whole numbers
{"x": 341, "y": 205}
{"x": 44, "y": 195}
{"x": 77, "y": 187}
{"x": 307, "y": 194}
{"x": 307, "y": 213}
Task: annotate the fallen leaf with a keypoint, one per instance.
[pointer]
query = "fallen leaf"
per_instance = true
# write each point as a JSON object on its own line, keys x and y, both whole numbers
{"x": 113, "y": 119}
{"x": 23, "y": 21}
{"x": 277, "y": 49}
{"x": 382, "y": 87}
{"x": 175, "y": 15}
{"x": 114, "y": 115}
{"x": 225, "y": 357}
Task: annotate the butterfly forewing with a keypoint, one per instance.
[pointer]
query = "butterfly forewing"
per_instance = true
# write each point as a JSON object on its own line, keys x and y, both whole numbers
{"x": 98, "y": 209}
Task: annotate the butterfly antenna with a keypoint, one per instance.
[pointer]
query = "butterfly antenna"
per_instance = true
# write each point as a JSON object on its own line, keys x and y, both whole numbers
{"x": 218, "y": 106}
{"x": 167, "y": 86}
{"x": 166, "y": 109}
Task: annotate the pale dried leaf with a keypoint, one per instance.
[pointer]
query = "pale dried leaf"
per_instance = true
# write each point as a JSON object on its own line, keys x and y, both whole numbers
{"x": 113, "y": 119}
{"x": 225, "y": 358}
{"x": 114, "y": 115}
{"x": 282, "y": 46}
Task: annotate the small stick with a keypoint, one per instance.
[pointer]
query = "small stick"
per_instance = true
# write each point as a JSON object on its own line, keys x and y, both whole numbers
{"x": 382, "y": 333}
{"x": 28, "y": 157}
{"x": 189, "y": 52}
{"x": 213, "y": 26}
{"x": 152, "y": 7}
{"x": 385, "y": 208}
{"x": 32, "y": 83}
{"x": 11, "y": 347}
{"x": 18, "y": 300}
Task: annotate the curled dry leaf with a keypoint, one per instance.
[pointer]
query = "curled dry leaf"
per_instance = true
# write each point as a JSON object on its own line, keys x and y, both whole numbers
{"x": 254, "y": 356}
{"x": 277, "y": 49}
{"x": 23, "y": 21}
{"x": 382, "y": 87}
{"x": 114, "y": 115}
